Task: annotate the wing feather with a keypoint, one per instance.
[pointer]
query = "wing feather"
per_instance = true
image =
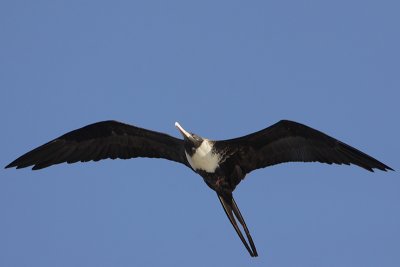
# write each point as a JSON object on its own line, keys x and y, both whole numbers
{"x": 288, "y": 141}
{"x": 102, "y": 140}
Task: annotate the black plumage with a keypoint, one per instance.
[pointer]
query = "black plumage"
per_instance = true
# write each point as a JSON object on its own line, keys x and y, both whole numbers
{"x": 102, "y": 140}
{"x": 222, "y": 164}
{"x": 288, "y": 141}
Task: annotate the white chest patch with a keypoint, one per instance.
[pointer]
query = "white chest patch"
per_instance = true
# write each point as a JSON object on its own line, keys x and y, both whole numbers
{"x": 204, "y": 159}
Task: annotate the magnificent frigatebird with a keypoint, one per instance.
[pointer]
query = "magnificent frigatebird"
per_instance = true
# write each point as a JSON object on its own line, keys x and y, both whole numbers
{"x": 222, "y": 164}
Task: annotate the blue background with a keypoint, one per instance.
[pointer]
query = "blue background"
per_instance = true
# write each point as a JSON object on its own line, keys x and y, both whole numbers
{"x": 222, "y": 69}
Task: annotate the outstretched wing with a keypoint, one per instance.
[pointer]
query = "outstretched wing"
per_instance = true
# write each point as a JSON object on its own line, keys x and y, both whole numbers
{"x": 288, "y": 141}
{"x": 102, "y": 140}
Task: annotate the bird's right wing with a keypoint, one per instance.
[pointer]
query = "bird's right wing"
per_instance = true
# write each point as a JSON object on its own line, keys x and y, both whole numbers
{"x": 102, "y": 140}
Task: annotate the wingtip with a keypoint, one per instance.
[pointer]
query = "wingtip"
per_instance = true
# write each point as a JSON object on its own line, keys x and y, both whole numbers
{"x": 15, "y": 164}
{"x": 11, "y": 165}
{"x": 384, "y": 168}
{"x": 389, "y": 169}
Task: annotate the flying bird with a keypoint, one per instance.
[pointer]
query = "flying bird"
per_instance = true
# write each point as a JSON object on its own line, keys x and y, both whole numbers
{"x": 222, "y": 164}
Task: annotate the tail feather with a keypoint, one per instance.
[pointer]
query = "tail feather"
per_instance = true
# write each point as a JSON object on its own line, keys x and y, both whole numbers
{"x": 231, "y": 209}
{"x": 243, "y": 223}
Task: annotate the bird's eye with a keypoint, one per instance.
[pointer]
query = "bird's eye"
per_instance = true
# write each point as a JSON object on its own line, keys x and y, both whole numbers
{"x": 193, "y": 149}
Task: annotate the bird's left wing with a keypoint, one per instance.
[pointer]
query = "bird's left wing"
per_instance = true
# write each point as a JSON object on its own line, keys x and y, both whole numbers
{"x": 102, "y": 140}
{"x": 289, "y": 141}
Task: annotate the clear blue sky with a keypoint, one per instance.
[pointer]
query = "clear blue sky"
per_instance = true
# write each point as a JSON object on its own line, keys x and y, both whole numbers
{"x": 222, "y": 69}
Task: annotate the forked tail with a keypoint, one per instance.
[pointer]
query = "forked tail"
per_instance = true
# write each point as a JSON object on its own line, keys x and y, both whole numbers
{"x": 232, "y": 211}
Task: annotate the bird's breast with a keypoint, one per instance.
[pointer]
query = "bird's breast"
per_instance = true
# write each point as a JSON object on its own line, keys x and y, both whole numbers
{"x": 204, "y": 158}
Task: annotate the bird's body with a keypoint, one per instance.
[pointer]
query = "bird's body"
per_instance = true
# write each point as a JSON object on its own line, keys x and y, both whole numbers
{"x": 222, "y": 164}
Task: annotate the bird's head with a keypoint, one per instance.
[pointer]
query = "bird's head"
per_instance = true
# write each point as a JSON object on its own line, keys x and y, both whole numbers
{"x": 192, "y": 141}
